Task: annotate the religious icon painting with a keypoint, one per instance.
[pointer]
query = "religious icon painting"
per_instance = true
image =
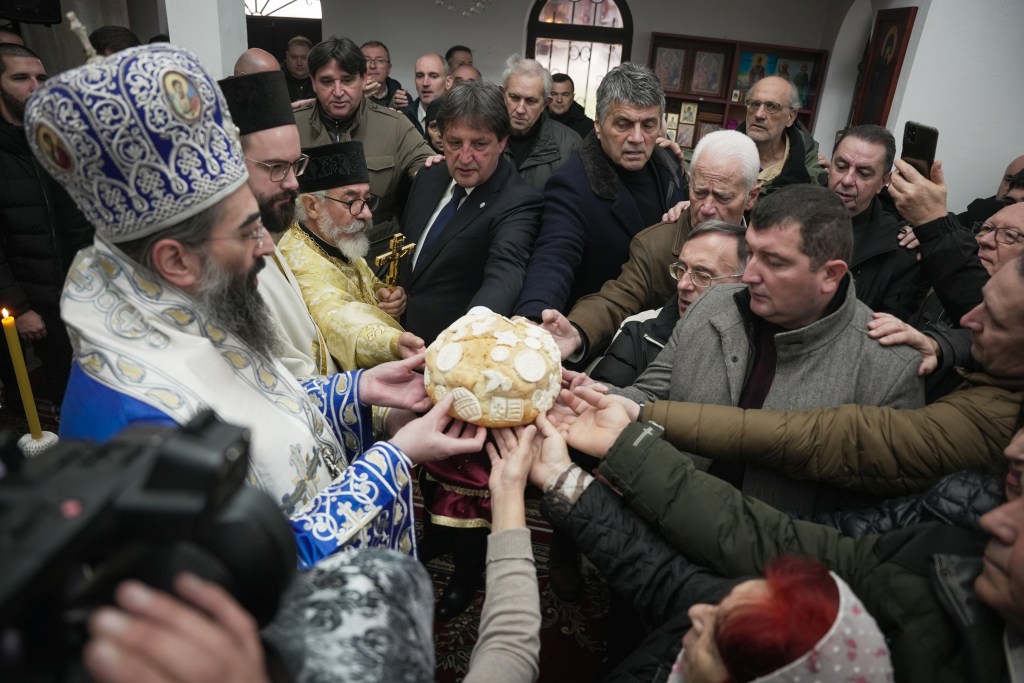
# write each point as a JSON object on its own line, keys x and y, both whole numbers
{"x": 688, "y": 112}
{"x": 684, "y": 136}
{"x": 668, "y": 67}
{"x": 54, "y": 147}
{"x": 182, "y": 95}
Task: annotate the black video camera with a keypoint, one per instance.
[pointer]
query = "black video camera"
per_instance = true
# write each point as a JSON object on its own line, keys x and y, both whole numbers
{"x": 150, "y": 503}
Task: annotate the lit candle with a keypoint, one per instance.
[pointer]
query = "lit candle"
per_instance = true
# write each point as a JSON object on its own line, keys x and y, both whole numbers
{"x": 21, "y": 372}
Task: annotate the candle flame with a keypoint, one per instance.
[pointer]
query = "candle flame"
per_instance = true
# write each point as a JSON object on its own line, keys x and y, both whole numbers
{"x": 6, "y": 313}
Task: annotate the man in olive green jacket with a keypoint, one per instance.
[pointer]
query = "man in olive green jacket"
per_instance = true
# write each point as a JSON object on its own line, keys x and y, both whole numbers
{"x": 394, "y": 150}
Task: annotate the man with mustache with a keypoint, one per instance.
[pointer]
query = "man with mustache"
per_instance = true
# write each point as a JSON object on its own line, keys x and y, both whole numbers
{"x": 259, "y": 104}
{"x": 341, "y": 112}
{"x": 167, "y": 320}
{"x": 326, "y": 250}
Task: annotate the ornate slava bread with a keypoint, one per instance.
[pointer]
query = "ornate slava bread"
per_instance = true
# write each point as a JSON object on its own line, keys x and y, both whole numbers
{"x": 502, "y": 372}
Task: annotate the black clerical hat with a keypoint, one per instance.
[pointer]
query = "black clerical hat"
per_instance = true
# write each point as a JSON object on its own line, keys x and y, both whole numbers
{"x": 335, "y": 165}
{"x": 258, "y": 101}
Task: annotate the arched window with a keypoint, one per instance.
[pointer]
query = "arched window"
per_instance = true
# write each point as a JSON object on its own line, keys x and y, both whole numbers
{"x": 583, "y": 38}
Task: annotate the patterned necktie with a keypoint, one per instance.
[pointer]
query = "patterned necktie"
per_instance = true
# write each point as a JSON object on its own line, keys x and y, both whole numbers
{"x": 443, "y": 218}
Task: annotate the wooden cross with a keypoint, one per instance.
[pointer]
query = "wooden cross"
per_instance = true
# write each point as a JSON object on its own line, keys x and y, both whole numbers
{"x": 396, "y": 251}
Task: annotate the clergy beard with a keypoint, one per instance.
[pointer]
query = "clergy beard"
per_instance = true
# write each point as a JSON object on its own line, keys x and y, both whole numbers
{"x": 276, "y": 219}
{"x": 233, "y": 302}
{"x": 351, "y": 239}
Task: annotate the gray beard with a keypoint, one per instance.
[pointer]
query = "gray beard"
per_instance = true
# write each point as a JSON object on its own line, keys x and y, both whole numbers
{"x": 233, "y": 302}
{"x": 351, "y": 240}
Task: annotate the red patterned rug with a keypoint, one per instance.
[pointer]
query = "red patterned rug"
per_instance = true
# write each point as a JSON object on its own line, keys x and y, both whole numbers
{"x": 573, "y": 636}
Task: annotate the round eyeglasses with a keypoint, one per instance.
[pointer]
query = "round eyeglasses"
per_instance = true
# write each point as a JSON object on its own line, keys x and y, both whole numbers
{"x": 1007, "y": 236}
{"x": 279, "y": 169}
{"x": 355, "y": 206}
{"x": 699, "y": 278}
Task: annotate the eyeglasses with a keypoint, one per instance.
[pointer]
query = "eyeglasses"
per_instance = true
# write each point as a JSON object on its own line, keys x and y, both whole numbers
{"x": 258, "y": 233}
{"x": 373, "y": 61}
{"x": 699, "y": 278}
{"x": 1007, "y": 236}
{"x": 279, "y": 170}
{"x": 770, "y": 107}
{"x": 355, "y": 207}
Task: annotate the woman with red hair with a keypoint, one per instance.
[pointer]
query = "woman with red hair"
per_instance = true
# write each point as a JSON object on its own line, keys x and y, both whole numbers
{"x": 797, "y": 623}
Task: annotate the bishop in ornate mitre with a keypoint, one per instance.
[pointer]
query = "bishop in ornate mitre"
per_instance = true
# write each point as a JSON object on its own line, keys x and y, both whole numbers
{"x": 166, "y": 319}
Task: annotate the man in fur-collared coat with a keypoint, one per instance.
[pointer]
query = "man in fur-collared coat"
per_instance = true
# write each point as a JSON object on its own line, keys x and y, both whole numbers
{"x": 616, "y": 185}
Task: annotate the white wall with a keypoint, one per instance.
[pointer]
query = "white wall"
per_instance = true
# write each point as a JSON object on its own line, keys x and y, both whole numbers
{"x": 846, "y": 33}
{"x": 963, "y": 80}
{"x": 213, "y": 29}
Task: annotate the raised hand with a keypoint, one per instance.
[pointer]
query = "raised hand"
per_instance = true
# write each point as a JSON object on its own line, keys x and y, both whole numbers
{"x": 918, "y": 199}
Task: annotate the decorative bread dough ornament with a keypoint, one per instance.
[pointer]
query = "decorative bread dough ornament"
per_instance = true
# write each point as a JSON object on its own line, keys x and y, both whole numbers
{"x": 501, "y": 372}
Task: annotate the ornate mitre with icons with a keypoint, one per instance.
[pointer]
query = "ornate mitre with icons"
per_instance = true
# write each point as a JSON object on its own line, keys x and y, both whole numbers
{"x": 141, "y": 140}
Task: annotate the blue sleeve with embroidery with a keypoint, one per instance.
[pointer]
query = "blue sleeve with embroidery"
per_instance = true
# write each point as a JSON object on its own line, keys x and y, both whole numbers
{"x": 337, "y": 396}
{"x": 370, "y": 503}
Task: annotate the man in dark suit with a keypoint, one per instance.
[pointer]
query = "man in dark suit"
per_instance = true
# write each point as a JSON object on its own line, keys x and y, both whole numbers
{"x": 473, "y": 221}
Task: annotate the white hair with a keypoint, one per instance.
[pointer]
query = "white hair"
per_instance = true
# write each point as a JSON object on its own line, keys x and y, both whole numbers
{"x": 520, "y": 66}
{"x": 731, "y": 145}
{"x": 300, "y": 209}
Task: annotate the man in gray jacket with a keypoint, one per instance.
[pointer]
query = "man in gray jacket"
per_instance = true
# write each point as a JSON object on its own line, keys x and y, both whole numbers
{"x": 537, "y": 145}
{"x": 793, "y": 335}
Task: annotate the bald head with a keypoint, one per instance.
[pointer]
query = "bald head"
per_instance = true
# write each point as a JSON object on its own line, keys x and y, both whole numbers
{"x": 767, "y": 127}
{"x": 466, "y": 72}
{"x": 7, "y": 36}
{"x": 1015, "y": 167}
{"x": 254, "y": 60}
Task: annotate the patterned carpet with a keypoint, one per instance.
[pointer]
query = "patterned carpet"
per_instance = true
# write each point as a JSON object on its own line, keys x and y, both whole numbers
{"x": 573, "y": 636}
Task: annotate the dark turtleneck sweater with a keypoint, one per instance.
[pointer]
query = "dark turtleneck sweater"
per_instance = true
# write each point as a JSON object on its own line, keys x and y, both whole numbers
{"x": 520, "y": 147}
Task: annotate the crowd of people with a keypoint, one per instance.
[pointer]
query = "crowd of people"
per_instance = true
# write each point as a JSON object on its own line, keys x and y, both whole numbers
{"x": 790, "y": 433}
